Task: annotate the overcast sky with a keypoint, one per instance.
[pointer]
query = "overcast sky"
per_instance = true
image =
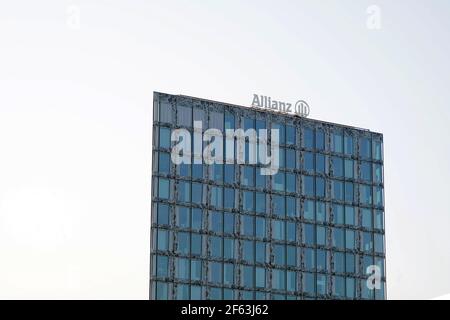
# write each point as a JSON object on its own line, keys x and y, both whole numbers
{"x": 76, "y": 84}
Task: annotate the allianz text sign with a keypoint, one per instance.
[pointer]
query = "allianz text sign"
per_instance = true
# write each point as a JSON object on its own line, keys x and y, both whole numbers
{"x": 300, "y": 108}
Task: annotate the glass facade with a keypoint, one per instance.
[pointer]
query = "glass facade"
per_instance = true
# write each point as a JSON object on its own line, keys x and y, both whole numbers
{"x": 224, "y": 231}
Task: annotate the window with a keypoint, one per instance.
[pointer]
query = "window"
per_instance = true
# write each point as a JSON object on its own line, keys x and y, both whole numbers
{"x": 228, "y": 222}
{"x": 308, "y": 209}
{"x": 290, "y": 135}
{"x": 278, "y": 279}
{"x": 247, "y": 225}
{"x": 248, "y": 178}
{"x": 196, "y": 242}
{"x": 228, "y": 198}
{"x": 309, "y": 283}
{"x": 308, "y": 186}
{"x": 337, "y": 189}
{"x": 248, "y": 202}
{"x": 215, "y": 293}
{"x": 184, "y": 191}
{"x": 290, "y": 207}
{"x": 320, "y": 163}
{"x": 278, "y": 231}
{"x": 366, "y": 171}
{"x": 249, "y": 124}
{"x": 260, "y": 179}
{"x": 164, "y": 162}
{"x": 308, "y": 234}
{"x": 183, "y": 170}
{"x": 216, "y": 247}
{"x": 248, "y": 253}
{"x": 320, "y": 139}
{"x": 184, "y": 116}
{"x": 339, "y": 262}
{"x": 196, "y": 292}
{"x": 378, "y": 200}
{"x": 365, "y": 194}
{"x": 196, "y": 270}
{"x": 217, "y": 172}
{"x": 291, "y": 232}
{"x": 260, "y": 252}
{"x": 321, "y": 284}
{"x": 197, "y": 171}
{"x": 336, "y": 142}
{"x": 349, "y": 215}
{"x": 281, "y": 129}
{"x": 197, "y": 193}
{"x": 364, "y": 148}
{"x": 290, "y": 159}
{"x": 350, "y": 263}
{"x": 308, "y": 138}
{"x": 350, "y": 239}
{"x": 379, "y": 242}
{"x": 321, "y": 233}
{"x": 279, "y": 255}
{"x": 216, "y": 222}
{"x": 183, "y": 241}
{"x": 260, "y": 202}
{"x": 164, "y": 137}
{"x": 228, "y": 273}
{"x": 367, "y": 242}
{"x": 279, "y": 208}
{"x": 278, "y": 181}
{"x": 290, "y": 182}
{"x": 163, "y": 240}
{"x": 247, "y": 276}
{"x": 216, "y": 120}
{"x": 377, "y": 150}
{"x": 309, "y": 258}
{"x": 308, "y": 161}
{"x": 260, "y": 227}
{"x": 339, "y": 286}
{"x": 163, "y": 188}
{"x": 291, "y": 281}
{"x": 260, "y": 277}
{"x": 199, "y": 115}
{"x": 291, "y": 256}
{"x": 349, "y": 194}
{"x": 216, "y": 197}
{"x": 196, "y": 219}
{"x": 161, "y": 290}
{"x": 337, "y": 166}
{"x": 229, "y": 120}
{"x": 349, "y": 168}
{"x": 379, "y": 219}
{"x": 162, "y": 266}
{"x": 182, "y": 267}
{"x": 183, "y": 217}
{"x": 229, "y": 173}
{"x": 348, "y": 144}
{"x": 320, "y": 187}
{"x": 366, "y": 218}
{"x": 163, "y": 214}
{"x": 350, "y": 288}
{"x": 378, "y": 173}
{"x": 338, "y": 238}
{"x": 321, "y": 214}
{"x": 215, "y": 272}
{"x": 228, "y": 248}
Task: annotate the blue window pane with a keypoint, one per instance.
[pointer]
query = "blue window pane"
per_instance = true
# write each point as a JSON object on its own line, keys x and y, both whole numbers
{"x": 228, "y": 248}
{"x": 183, "y": 241}
{"x": 308, "y": 234}
{"x": 247, "y": 276}
{"x": 182, "y": 268}
{"x": 348, "y": 144}
{"x": 196, "y": 219}
{"x": 337, "y": 142}
{"x": 377, "y": 150}
{"x": 321, "y": 234}
{"x": 196, "y": 292}
{"x": 321, "y": 284}
{"x": 278, "y": 230}
{"x": 291, "y": 281}
{"x": 308, "y": 186}
{"x": 279, "y": 254}
{"x": 308, "y": 138}
{"x": 260, "y": 256}
{"x": 163, "y": 188}
{"x": 349, "y": 168}
{"x": 339, "y": 262}
{"x": 309, "y": 283}
{"x": 320, "y": 139}
{"x": 290, "y": 182}
{"x": 339, "y": 286}
{"x": 278, "y": 181}
{"x": 378, "y": 173}
{"x": 229, "y": 173}
{"x": 248, "y": 202}
{"x": 164, "y": 162}
{"x": 196, "y": 270}
{"x": 349, "y": 262}
{"x": 196, "y": 244}
{"x": 365, "y": 148}
{"x": 350, "y": 216}
{"x": 379, "y": 242}
{"x": 217, "y": 172}
{"x": 215, "y": 272}
{"x": 350, "y": 288}
{"x": 249, "y": 123}
{"x": 290, "y": 207}
{"x": 197, "y": 192}
{"x": 162, "y": 266}
{"x": 349, "y": 193}
{"x": 216, "y": 247}
{"x": 278, "y": 279}
{"x": 337, "y": 189}
{"x": 379, "y": 219}
{"x": 216, "y": 197}
{"x": 184, "y": 191}
{"x": 260, "y": 227}
{"x": 228, "y": 273}
{"x": 184, "y": 170}
{"x": 367, "y": 242}
{"x": 183, "y": 217}
{"x": 260, "y": 124}
{"x": 290, "y": 159}
{"x": 197, "y": 171}
{"x": 378, "y": 196}
{"x": 365, "y": 194}
{"x": 228, "y": 222}
{"x": 183, "y": 292}
{"x": 320, "y": 163}
{"x": 366, "y": 218}
{"x": 337, "y": 166}
{"x": 248, "y": 253}
{"x": 248, "y": 177}
{"x": 366, "y": 171}
{"x": 161, "y": 291}
{"x": 229, "y": 198}
{"x": 216, "y": 222}
{"x": 281, "y": 129}
{"x": 321, "y": 260}
{"x": 260, "y": 277}
{"x": 291, "y": 231}
{"x": 215, "y": 293}
{"x": 338, "y": 238}
{"x": 308, "y": 161}
{"x": 279, "y": 207}
{"x": 290, "y": 135}
{"x": 338, "y": 214}
{"x": 247, "y": 227}
{"x": 321, "y": 213}
{"x": 229, "y": 121}
{"x": 309, "y": 259}
{"x": 163, "y": 240}
{"x": 260, "y": 202}
{"x": 308, "y": 209}
{"x": 164, "y": 137}
{"x": 163, "y": 214}
{"x": 320, "y": 187}
{"x": 260, "y": 179}
{"x": 350, "y": 239}
{"x": 291, "y": 256}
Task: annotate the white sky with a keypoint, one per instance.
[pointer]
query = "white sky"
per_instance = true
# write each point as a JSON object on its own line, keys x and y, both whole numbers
{"x": 75, "y": 122}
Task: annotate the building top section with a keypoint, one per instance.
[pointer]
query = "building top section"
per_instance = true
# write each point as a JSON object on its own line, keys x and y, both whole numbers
{"x": 276, "y": 115}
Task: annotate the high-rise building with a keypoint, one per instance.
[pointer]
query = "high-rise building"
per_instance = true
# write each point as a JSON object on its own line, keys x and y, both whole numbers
{"x": 312, "y": 230}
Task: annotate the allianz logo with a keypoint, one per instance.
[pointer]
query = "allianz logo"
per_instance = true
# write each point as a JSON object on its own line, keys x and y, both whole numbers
{"x": 300, "y": 108}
